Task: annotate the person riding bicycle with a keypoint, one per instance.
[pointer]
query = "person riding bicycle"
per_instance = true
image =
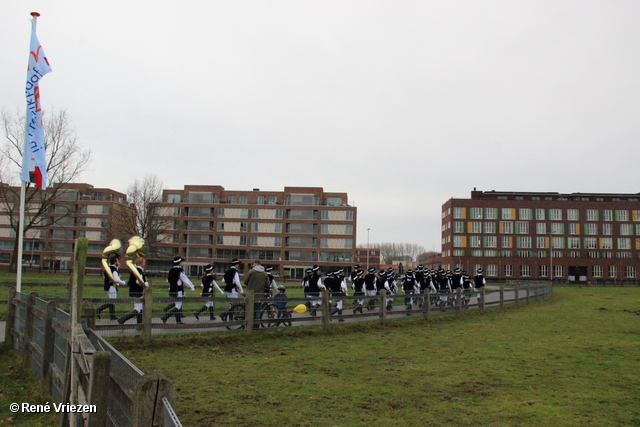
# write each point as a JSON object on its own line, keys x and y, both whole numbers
{"x": 281, "y": 303}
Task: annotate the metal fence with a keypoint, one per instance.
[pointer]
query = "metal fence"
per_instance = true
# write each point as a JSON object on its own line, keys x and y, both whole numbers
{"x": 231, "y": 314}
{"x": 124, "y": 395}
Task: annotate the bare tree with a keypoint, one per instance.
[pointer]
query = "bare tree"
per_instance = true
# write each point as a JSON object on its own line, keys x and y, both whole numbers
{"x": 390, "y": 252}
{"x": 66, "y": 159}
{"x": 146, "y": 219}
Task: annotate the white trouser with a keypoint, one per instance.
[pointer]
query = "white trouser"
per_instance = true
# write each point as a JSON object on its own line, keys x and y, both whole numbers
{"x": 112, "y": 292}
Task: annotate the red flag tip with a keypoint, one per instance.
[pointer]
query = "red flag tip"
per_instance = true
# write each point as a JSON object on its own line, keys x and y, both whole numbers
{"x": 36, "y": 14}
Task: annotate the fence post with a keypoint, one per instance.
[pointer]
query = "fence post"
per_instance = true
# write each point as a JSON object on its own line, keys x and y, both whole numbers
{"x": 147, "y": 401}
{"x": 147, "y": 307}
{"x": 383, "y": 307}
{"x": 482, "y": 294}
{"x": 11, "y": 314}
{"x": 458, "y": 300}
{"x": 249, "y": 312}
{"x": 28, "y": 330}
{"x": 501, "y": 296}
{"x": 427, "y": 302}
{"x": 517, "y": 294}
{"x": 88, "y": 313}
{"x": 99, "y": 388}
{"x": 48, "y": 348}
{"x": 326, "y": 308}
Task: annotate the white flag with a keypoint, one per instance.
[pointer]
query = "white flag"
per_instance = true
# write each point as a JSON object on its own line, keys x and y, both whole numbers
{"x": 34, "y": 160}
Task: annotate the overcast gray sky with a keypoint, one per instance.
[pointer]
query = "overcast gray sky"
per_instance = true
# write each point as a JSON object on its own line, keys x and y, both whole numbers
{"x": 401, "y": 104}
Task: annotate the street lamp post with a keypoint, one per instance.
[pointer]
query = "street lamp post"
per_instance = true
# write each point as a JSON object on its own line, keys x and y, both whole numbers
{"x": 368, "y": 248}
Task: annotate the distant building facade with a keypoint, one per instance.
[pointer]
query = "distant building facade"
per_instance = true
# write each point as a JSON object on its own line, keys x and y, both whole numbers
{"x": 521, "y": 235}
{"x": 368, "y": 257}
{"x": 289, "y": 230}
{"x": 79, "y": 210}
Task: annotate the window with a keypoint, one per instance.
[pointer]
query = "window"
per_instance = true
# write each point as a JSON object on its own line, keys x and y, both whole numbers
{"x": 262, "y": 200}
{"x": 522, "y": 227}
{"x": 334, "y": 201}
{"x": 624, "y": 243}
{"x": 540, "y": 214}
{"x": 591, "y": 229}
{"x": 573, "y": 228}
{"x": 523, "y": 242}
{"x": 626, "y": 229}
{"x": 506, "y": 242}
{"x": 476, "y": 213}
{"x": 573, "y": 243}
{"x": 607, "y": 229}
{"x": 544, "y": 271}
{"x": 525, "y": 271}
{"x": 573, "y": 214}
{"x": 607, "y": 215}
{"x": 630, "y": 272}
{"x": 558, "y": 271}
{"x": 492, "y": 270}
{"x": 590, "y": 243}
{"x": 596, "y": 271}
{"x": 613, "y": 272}
{"x": 173, "y": 198}
{"x": 622, "y": 215}
{"x": 490, "y": 242}
{"x": 476, "y": 227}
{"x": 555, "y": 214}
{"x": 524, "y": 214}
{"x": 508, "y": 270}
{"x": 490, "y": 227}
{"x": 491, "y": 213}
{"x": 475, "y": 241}
{"x": 458, "y": 241}
{"x": 592, "y": 214}
{"x": 606, "y": 243}
{"x": 243, "y": 200}
{"x": 541, "y": 228}
{"x": 458, "y": 213}
{"x": 506, "y": 227}
{"x": 507, "y": 213}
{"x": 541, "y": 242}
{"x": 231, "y": 199}
{"x": 458, "y": 226}
{"x": 557, "y": 243}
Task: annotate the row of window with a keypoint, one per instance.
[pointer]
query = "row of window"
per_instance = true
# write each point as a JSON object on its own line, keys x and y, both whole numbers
{"x": 491, "y": 253}
{"x": 242, "y": 199}
{"x": 597, "y": 271}
{"x": 261, "y": 227}
{"x": 292, "y": 214}
{"x": 542, "y": 214}
{"x": 622, "y": 243}
{"x": 523, "y": 227}
{"x": 310, "y": 256}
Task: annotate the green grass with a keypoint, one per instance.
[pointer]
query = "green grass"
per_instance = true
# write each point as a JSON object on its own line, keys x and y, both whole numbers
{"x": 19, "y": 385}
{"x": 569, "y": 361}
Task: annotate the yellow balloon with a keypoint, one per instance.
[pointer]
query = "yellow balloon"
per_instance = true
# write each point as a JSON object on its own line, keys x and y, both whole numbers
{"x": 301, "y": 308}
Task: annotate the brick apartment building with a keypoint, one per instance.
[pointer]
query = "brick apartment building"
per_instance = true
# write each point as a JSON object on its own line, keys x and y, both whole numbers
{"x": 367, "y": 257}
{"x": 79, "y": 210}
{"x": 522, "y": 235}
{"x": 288, "y": 230}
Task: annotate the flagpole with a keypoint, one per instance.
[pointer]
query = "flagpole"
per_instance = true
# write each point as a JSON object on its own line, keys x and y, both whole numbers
{"x": 23, "y": 196}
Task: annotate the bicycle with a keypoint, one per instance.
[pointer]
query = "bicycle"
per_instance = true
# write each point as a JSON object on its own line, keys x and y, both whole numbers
{"x": 237, "y": 312}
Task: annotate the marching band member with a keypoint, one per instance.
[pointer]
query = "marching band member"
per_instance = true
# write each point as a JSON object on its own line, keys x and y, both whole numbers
{"x": 208, "y": 285}
{"x": 111, "y": 286}
{"x": 177, "y": 281}
{"x": 135, "y": 291}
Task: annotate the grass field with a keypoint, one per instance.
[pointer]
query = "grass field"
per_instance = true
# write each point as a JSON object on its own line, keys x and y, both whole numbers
{"x": 569, "y": 361}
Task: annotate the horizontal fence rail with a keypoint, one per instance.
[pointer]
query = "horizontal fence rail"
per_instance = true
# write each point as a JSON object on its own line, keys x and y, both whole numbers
{"x": 39, "y": 331}
{"x": 231, "y": 314}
